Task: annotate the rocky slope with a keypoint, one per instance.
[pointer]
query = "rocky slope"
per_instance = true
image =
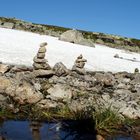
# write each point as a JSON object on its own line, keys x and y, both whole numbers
{"x": 20, "y": 86}
{"x": 92, "y": 37}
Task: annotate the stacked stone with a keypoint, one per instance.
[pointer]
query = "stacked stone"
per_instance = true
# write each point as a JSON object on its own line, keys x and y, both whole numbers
{"x": 40, "y": 65}
{"x": 79, "y": 65}
{"x": 39, "y": 60}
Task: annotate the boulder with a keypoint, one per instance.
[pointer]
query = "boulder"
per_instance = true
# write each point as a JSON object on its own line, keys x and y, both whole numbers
{"x": 20, "y": 91}
{"x": 8, "y": 25}
{"x": 60, "y": 69}
{"x": 85, "y": 42}
{"x": 59, "y": 92}
{"x": 71, "y": 36}
{"x": 74, "y": 36}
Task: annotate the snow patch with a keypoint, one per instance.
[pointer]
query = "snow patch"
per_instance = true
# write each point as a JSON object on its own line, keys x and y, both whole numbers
{"x": 19, "y": 47}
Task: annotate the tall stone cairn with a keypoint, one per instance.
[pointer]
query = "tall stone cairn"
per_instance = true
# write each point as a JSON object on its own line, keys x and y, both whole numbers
{"x": 40, "y": 65}
{"x": 39, "y": 60}
{"x": 79, "y": 65}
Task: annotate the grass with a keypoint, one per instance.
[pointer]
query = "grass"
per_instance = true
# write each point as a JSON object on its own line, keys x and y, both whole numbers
{"x": 103, "y": 121}
{"x": 107, "y": 120}
{"x": 66, "y": 113}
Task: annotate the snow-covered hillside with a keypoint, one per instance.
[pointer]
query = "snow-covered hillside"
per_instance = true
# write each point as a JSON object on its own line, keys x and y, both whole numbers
{"x": 19, "y": 47}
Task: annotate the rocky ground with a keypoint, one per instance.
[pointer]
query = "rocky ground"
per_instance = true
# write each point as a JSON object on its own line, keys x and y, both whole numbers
{"x": 19, "y": 85}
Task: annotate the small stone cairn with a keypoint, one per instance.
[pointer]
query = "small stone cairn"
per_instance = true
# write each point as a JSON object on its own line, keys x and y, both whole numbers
{"x": 79, "y": 65}
{"x": 40, "y": 65}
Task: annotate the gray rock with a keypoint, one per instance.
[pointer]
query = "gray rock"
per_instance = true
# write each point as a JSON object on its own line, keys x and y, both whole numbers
{"x": 76, "y": 37}
{"x": 43, "y": 66}
{"x": 4, "y": 68}
{"x": 42, "y": 73}
{"x": 60, "y": 69}
{"x": 43, "y": 44}
{"x": 59, "y": 92}
{"x": 105, "y": 79}
{"x": 79, "y": 65}
{"x": 42, "y": 49}
{"x": 21, "y": 91}
{"x": 39, "y": 60}
{"x": 47, "y": 104}
{"x": 8, "y": 25}
{"x": 3, "y": 100}
{"x": 86, "y": 42}
{"x": 40, "y": 55}
{"x": 71, "y": 36}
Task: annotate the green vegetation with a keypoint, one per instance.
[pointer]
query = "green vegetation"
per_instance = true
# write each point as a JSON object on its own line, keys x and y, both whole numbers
{"x": 107, "y": 120}
{"x": 136, "y": 42}
{"x": 103, "y": 121}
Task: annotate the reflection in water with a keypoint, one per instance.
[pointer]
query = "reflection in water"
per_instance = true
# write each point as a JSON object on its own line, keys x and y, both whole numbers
{"x": 24, "y": 130}
{"x": 35, "y": 129}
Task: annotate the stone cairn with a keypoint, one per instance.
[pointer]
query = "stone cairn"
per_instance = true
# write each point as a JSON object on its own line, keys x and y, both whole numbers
{"x": 79, "y": 65}
{"x": 40, "y": 65}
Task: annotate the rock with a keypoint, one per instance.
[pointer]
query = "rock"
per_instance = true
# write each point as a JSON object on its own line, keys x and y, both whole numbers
{"x": 85, "y": 42}
{"x": 116, "y": 56}
{"x": 4, "y": 68}
{"x": 60, "y": 69}
{"x": 136, "y": 70}
{"x": 38, "y": 60}
{"x": 59, "y": 92}
{"x": 74, "y": 36}
{"x": 8, "y": 25}
{"x": 47, "y": 104}
{"x": 105, "y": 79}
{"x": 136, "y": 79}
{"x": 21, "y": 68}
{"x": 43, "y": 44}
{"x": 41, "y": 55}
{"x": 43, "y": 66}
{"x": 4, "y": 84}
{"x": 79, "y": 65}
{"x": 3, "y": 100}
{"x": 99, "y": 41}
{"x": 27, "y": 94}
{"x": 21, "y": 91}
{"x": 42, "y": 50}
{"x": 42, "y": 73}
{"x": 71, "y": 36}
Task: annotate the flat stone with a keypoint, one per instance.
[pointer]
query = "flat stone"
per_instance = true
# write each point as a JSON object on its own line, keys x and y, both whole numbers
{"x": 39, "y": 60}
{"x": 43, "y": 66}
{"x": 59, "y": 92}
{"x": 80, "y": 65}
{"x": 43, "y": 44}
{"x": 40, "y": 55}
{"x": 42, "y": 73}
{"x": 80, "y": 60}
{"x": 42, "y": 50}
